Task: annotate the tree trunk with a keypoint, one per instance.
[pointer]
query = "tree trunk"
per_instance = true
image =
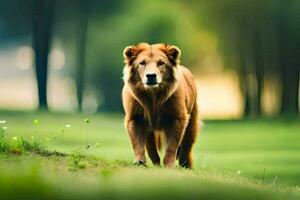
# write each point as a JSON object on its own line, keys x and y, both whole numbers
{"x": 244, "y": 85}
{"x": 42, "y": 28}
{"x": 289, "y": 62}
{"x": 82, "y": 34}
{"x": 259, "y": 64}
{"x": 290, "y": 89}
{"x": 249, "y": 76}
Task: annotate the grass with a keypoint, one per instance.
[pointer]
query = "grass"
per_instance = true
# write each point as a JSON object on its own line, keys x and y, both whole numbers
{"x": 234, "y": 160}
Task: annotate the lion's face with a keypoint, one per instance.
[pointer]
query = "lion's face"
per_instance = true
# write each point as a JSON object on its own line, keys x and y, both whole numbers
{"x": 150, "y": 65}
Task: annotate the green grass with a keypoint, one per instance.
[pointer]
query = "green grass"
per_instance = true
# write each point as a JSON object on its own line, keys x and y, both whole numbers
{"x": 234, "y": 160}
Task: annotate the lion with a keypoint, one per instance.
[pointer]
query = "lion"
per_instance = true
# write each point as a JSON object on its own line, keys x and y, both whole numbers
{"x": 160, "y": 102}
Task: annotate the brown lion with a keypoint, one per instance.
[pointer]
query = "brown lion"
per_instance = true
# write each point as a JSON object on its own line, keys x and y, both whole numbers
{"x": 159, "y": 99}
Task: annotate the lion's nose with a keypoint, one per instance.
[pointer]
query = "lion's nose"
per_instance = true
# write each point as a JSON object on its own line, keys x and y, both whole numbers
{"x": 151, "y": 78}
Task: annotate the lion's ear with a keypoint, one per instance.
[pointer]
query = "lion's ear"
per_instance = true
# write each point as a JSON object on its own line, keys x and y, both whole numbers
{"x": 173, "y": 53}
{"x": 128, "y": 53}
{"x": 131, "y": 52}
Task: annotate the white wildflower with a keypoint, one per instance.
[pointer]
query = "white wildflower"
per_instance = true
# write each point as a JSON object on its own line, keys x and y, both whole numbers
{"x": 68, "y": 126}
{"x": 2, "y": 121}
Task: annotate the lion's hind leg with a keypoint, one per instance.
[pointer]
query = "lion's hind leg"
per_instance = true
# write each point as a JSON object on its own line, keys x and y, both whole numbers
{"x": 185, "y": 150}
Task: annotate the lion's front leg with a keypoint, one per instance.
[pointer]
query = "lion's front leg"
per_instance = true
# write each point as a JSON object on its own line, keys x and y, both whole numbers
{"x": 136, "y": 128}
{"x": 174, "y": 133}
{"x": 152, "y": 149}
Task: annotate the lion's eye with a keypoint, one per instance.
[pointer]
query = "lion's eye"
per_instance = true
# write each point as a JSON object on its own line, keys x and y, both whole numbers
{"x": 143, "y": 63}
{"x": 160, "y": 63}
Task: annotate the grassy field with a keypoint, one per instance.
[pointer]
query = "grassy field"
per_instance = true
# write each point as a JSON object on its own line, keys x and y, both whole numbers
{"x": 234, "y": 160}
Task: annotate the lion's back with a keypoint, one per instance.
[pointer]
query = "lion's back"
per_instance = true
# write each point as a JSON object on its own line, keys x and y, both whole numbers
{"x": 190, "y": 87}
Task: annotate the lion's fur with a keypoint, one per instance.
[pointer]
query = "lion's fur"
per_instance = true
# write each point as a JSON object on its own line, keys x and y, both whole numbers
{"x": 170, "y": 107}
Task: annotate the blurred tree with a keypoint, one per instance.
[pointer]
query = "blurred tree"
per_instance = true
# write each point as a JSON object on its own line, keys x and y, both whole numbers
{"x": 262, "y": 35}
{"x": 80, "y": 26}
{"x": 288, "y": 32}
{"x": 81, "y": 32}
{"x": 42, "y": 28}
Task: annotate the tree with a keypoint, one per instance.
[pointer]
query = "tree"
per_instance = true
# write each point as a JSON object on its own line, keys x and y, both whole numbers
{"x": 264, "y": 36}
{"x": 288, "y": 42}
{"x": 82, "y": 27}
{"x": 42, "y": 29}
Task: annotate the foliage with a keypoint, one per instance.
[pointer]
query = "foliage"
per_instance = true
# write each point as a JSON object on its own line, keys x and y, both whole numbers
{"x": 19, "y": 145}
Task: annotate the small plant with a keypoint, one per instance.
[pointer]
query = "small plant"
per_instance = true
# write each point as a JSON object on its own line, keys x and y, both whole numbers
{"x": 87, "y": 146}
{"x": 58, "y": 137}
{"x": 19, "y": 145}
{"x": 35, "y": 123}
{"x": 16, "y": 145}
{"x": 33, "y": 146}
{"x": 77, "y": 161}
{"x": 3, "y": 143}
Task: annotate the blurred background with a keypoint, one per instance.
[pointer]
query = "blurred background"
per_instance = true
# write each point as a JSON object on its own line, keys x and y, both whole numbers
{"x": 67, "y": 55}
